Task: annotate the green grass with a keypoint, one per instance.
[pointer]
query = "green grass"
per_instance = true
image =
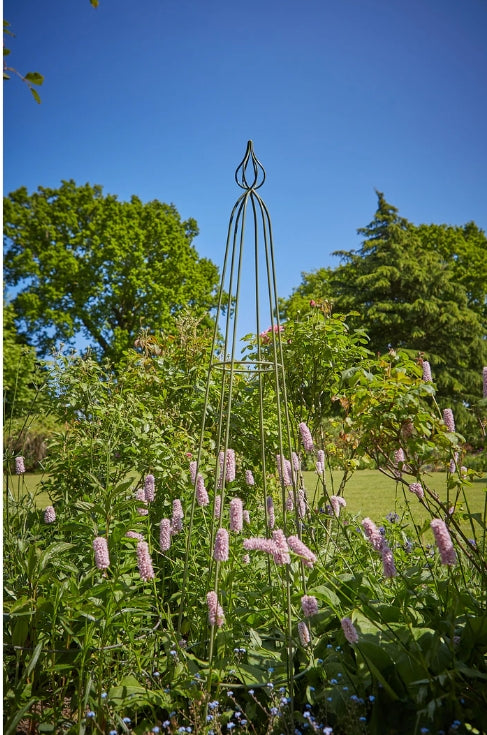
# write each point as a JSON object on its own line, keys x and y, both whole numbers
{"x": 368, "y": 493}
{"x": 371, "y": 493}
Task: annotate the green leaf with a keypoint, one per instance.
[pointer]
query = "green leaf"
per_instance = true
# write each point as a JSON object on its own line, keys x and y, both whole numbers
{"x": 35, "y": 95}
{"x": 34, "y": 77}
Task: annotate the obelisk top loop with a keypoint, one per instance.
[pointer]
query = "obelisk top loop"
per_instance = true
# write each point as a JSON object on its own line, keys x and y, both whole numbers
{"x": 250, "y": 170}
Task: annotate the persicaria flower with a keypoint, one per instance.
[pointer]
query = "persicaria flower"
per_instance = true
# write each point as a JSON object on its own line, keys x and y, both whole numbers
{"x": 427, "y": 372}
{"x": 249, "y": 478}
{"x": 303, "y": 633}
{"x": 417, "y": 489}
{"x": 100, "y": 547}
{"x": 246, "y": 516}
{"x": 306, "y": 437}
{"x": 19, "y": 466}
{"x": 337, "y": 502}
{"x": 388, "y": 561}
{"x": 301, "y": 503}
{"x": 372, "y": 533}
{"x": 149, "y": 488}
{"x": 201, "y": 494}
{"x": 349, "y": 629}
{"x": 271, "y": 518}
{"x": 142, "y": 511}
{"x": 283, "y": 468}
{"x": 321, "y": 456}
{"x": 221, "y": 550}
{"x": 177, "y": 516}
{"x": 443, "y": 542}
{"x": 296, "y": 461}
{"x": 215, "y": 611}
{"x": 218, "y": 503}
{"x": 134, "y": 534}
{"x": 309, "y": 605}
{"x": 290, "y": 501}
{"x": 144, "y": 561}
{"x": 165, "y": 534}
{"x": 296, "y": 545}
{"x": 229, "y": 464}
{"x": 49, "y": 514}
{"x": 448, "y": 419}
{"x": 236, "y": 515}
{"x": 257, "y": 543}
{"x": 193, "y": 468}
{"x": 320, "y": 468}
{"x": 484, "y": 381}
{"x": 281, "y": 553}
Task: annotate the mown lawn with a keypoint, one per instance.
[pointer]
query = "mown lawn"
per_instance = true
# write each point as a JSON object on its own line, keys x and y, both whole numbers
{"x": 371, "y": 493}
{"x": 368, "y": 493}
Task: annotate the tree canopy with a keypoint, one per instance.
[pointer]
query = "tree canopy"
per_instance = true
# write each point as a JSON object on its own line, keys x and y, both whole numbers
{"x": 84, "y": 262}
{"x": 421, "y": 288}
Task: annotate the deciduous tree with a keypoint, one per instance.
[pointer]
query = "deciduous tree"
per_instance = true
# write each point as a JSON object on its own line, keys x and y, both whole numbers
{"x": 85, "y": 262}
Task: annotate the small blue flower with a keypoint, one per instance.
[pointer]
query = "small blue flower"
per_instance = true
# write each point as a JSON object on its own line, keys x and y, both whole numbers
{"x": 333, "y": 681}
{"x": 319, "y": 660}
{"x": 230, "y": 693}
{"x": 127, "y": 720}
{"x": 327, "y": 731}
{"x": 113, "y": 732}
{"x": 156, "y": 674}
{"x": 90, "y": 714}
{"x": 311, "y": 689}
{"x": 362, "y": 719}
{"x": 156, "y": 729}
{"x": 243, "y": 722}
{"x": 424, "y": 730}
{"x": 371, "y": 698}
{"x": 166, "y": 723}
{"x": 182, "y": 729}
{"x": 270, "y": 670}
{"x": 307, "y": 715}
{"x": 328, "y": 645}
{"x": 173, "y": 652}
{"x": 103, "y": 695}
{"x": 238, "y": 715}
{"x": 230, "y": 725}
{"x": 329, "y": 699}
{"x": 270, "y": 685}
{"x": 251, "y": 692}
{"x": 345, "y": 689}
{"x": 307, "y": 706}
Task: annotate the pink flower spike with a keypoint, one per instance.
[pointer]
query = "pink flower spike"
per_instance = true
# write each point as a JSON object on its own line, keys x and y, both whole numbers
{"x": 142, "y": 511}
{"x": 304, "y": 635}
{"x": 427, "y": 372}
{"x": 215, "y": 611}
{"x": 144, "y": 561}
{"x": 177, "y": 516}
{"x": 201, "y": 494}
{"x": 321, "y": 456}
{"x": 271, "y": 518}
{"x": 257, "y": 543}
{"x": 448, "y": 419}
{"x": 388, "y": 561}
{"x": 309, "y": 605}
{"x": 193, "y": 468}
{"x": 290, "y": 501}
{"x": 296, "y": 461}
{"x": 417, "y": 489}
{"x": 218, "y": 503}
{"x": 299, "y": 548}
{"x": 100, "y": 547}
{"x": 306, "y": 437}
{"x": 337, "y": 502}
{"x": 236, "y": 515}
{"x": 281, "y": 552}
{"x": 149, "y": 489}
{"x": 165, "y": 534}
{"x": 249, "y": 478}
{"x": 246, "y": 516}
{"x": 443, "y": 542}
{"x": 372, "y": 533}
{"x": 283, "y": 470}
{"x": 49, "y": 514}
{"x": 19, "y": 466}
{"x": 221, "y": 550}
{"x": 301, "y": 503}
{"x": 349, "y": 629}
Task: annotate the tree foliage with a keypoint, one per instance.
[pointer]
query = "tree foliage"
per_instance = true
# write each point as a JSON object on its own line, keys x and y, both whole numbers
{"x": 417, "y": 288}
{"x": 87, "y": 262}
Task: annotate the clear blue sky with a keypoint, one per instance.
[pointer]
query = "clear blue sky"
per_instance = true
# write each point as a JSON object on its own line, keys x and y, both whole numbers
{"x": 158, "y": 98}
